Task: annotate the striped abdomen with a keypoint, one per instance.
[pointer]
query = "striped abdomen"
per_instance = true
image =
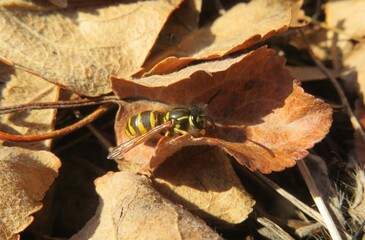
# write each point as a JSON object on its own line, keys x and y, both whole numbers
{"x": 143, "y": 122}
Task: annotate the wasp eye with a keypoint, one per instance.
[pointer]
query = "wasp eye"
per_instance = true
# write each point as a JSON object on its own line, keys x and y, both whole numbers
{"x": 196, "y": 121}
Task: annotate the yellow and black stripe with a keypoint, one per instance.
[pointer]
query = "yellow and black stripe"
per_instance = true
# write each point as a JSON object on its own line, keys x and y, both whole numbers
{"x": 143, "y": 122}
{"x": 184, "y": 120}
{"x": 181, "y": 117}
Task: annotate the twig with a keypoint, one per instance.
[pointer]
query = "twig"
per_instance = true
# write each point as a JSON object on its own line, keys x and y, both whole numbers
{"x": 354, "y": 121}
{"x": 331, "y": 226}
{"x": 219, "y": 7}
{"x": 106, "y": 144}
{"x": 308, "y": 230}
{"x": 59, "y": 104}
{"x": 57, "y": 133}
{"x": 277, "y": 230}
{"x": 77, "y": 140}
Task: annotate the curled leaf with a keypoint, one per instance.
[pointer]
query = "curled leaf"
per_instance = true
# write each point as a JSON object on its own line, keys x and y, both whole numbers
{"x": 25, "y": 176}
{"x": 239, "y": 28}
{"x": 131, "y": 209}
{"x": 263, "y": 120}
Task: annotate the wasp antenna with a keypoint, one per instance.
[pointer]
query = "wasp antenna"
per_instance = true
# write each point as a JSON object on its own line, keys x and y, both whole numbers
{"x": 214, "y": 96}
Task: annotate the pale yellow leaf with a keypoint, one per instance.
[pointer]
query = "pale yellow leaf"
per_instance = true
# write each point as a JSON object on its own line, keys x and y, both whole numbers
{"x": 131, "y": 209}
{"x": 40, "y": 5}
{"x": 205, "y": 183}
{"x": 355, "y": 62}
{"x": 240, "y": 27}
{"x": 347, "y": 16}
{"x": 25, "y": 176}
{"x": 79, "y": 48}
{"x": 23, "y": 87}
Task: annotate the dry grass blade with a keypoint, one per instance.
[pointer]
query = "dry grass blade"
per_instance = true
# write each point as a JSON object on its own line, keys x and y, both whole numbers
{"x": 308, "y": 230}
{"x": 275, "y": 229}
{"x": 296, "y": 202}
{"x": 327, "y": 218}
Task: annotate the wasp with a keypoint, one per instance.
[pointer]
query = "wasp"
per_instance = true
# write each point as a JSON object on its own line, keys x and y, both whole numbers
{"x": 178, "y": 121}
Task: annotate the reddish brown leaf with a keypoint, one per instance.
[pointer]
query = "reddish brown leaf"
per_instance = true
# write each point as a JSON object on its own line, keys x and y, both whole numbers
{"x": 263, "y": 120}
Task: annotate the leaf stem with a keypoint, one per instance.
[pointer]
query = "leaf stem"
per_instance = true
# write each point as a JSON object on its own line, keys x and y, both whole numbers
{"x": 57, "y": 133}
{"x": 327, "y": 218}
{"x": 59, "y": 104}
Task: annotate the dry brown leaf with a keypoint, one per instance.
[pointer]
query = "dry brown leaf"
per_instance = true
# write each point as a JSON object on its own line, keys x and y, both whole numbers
{"x": 205, "y": 183}
{"x": 298, "y": 18}
{"x": 182, "y": 22}
{"x": 240, "y": 27}
{"x": 344, "y": 20}
{"x": 355, "y": 61}
{"x": 79, "y": 48}
{"x": 263, "y": 120}
{"x": 304, "y": 73}
{"x": 131, "y": 209}
{"x": 25, "y": 177}
{"x": 347, "y": 16}
{"x": 23, "y": 87}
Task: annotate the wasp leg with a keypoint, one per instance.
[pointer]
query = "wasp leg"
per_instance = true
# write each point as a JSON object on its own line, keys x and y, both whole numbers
{"x": 173, "y": 124}
{"x": 209, "y": 119}
{"x": 179, "y": 131}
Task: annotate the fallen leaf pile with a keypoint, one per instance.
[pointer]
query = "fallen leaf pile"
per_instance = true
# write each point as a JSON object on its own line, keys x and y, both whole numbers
{"x": 160, "y": 55}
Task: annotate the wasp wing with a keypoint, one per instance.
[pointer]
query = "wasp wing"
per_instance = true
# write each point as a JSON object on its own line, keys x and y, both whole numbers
{"x": 123, "y": 148}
